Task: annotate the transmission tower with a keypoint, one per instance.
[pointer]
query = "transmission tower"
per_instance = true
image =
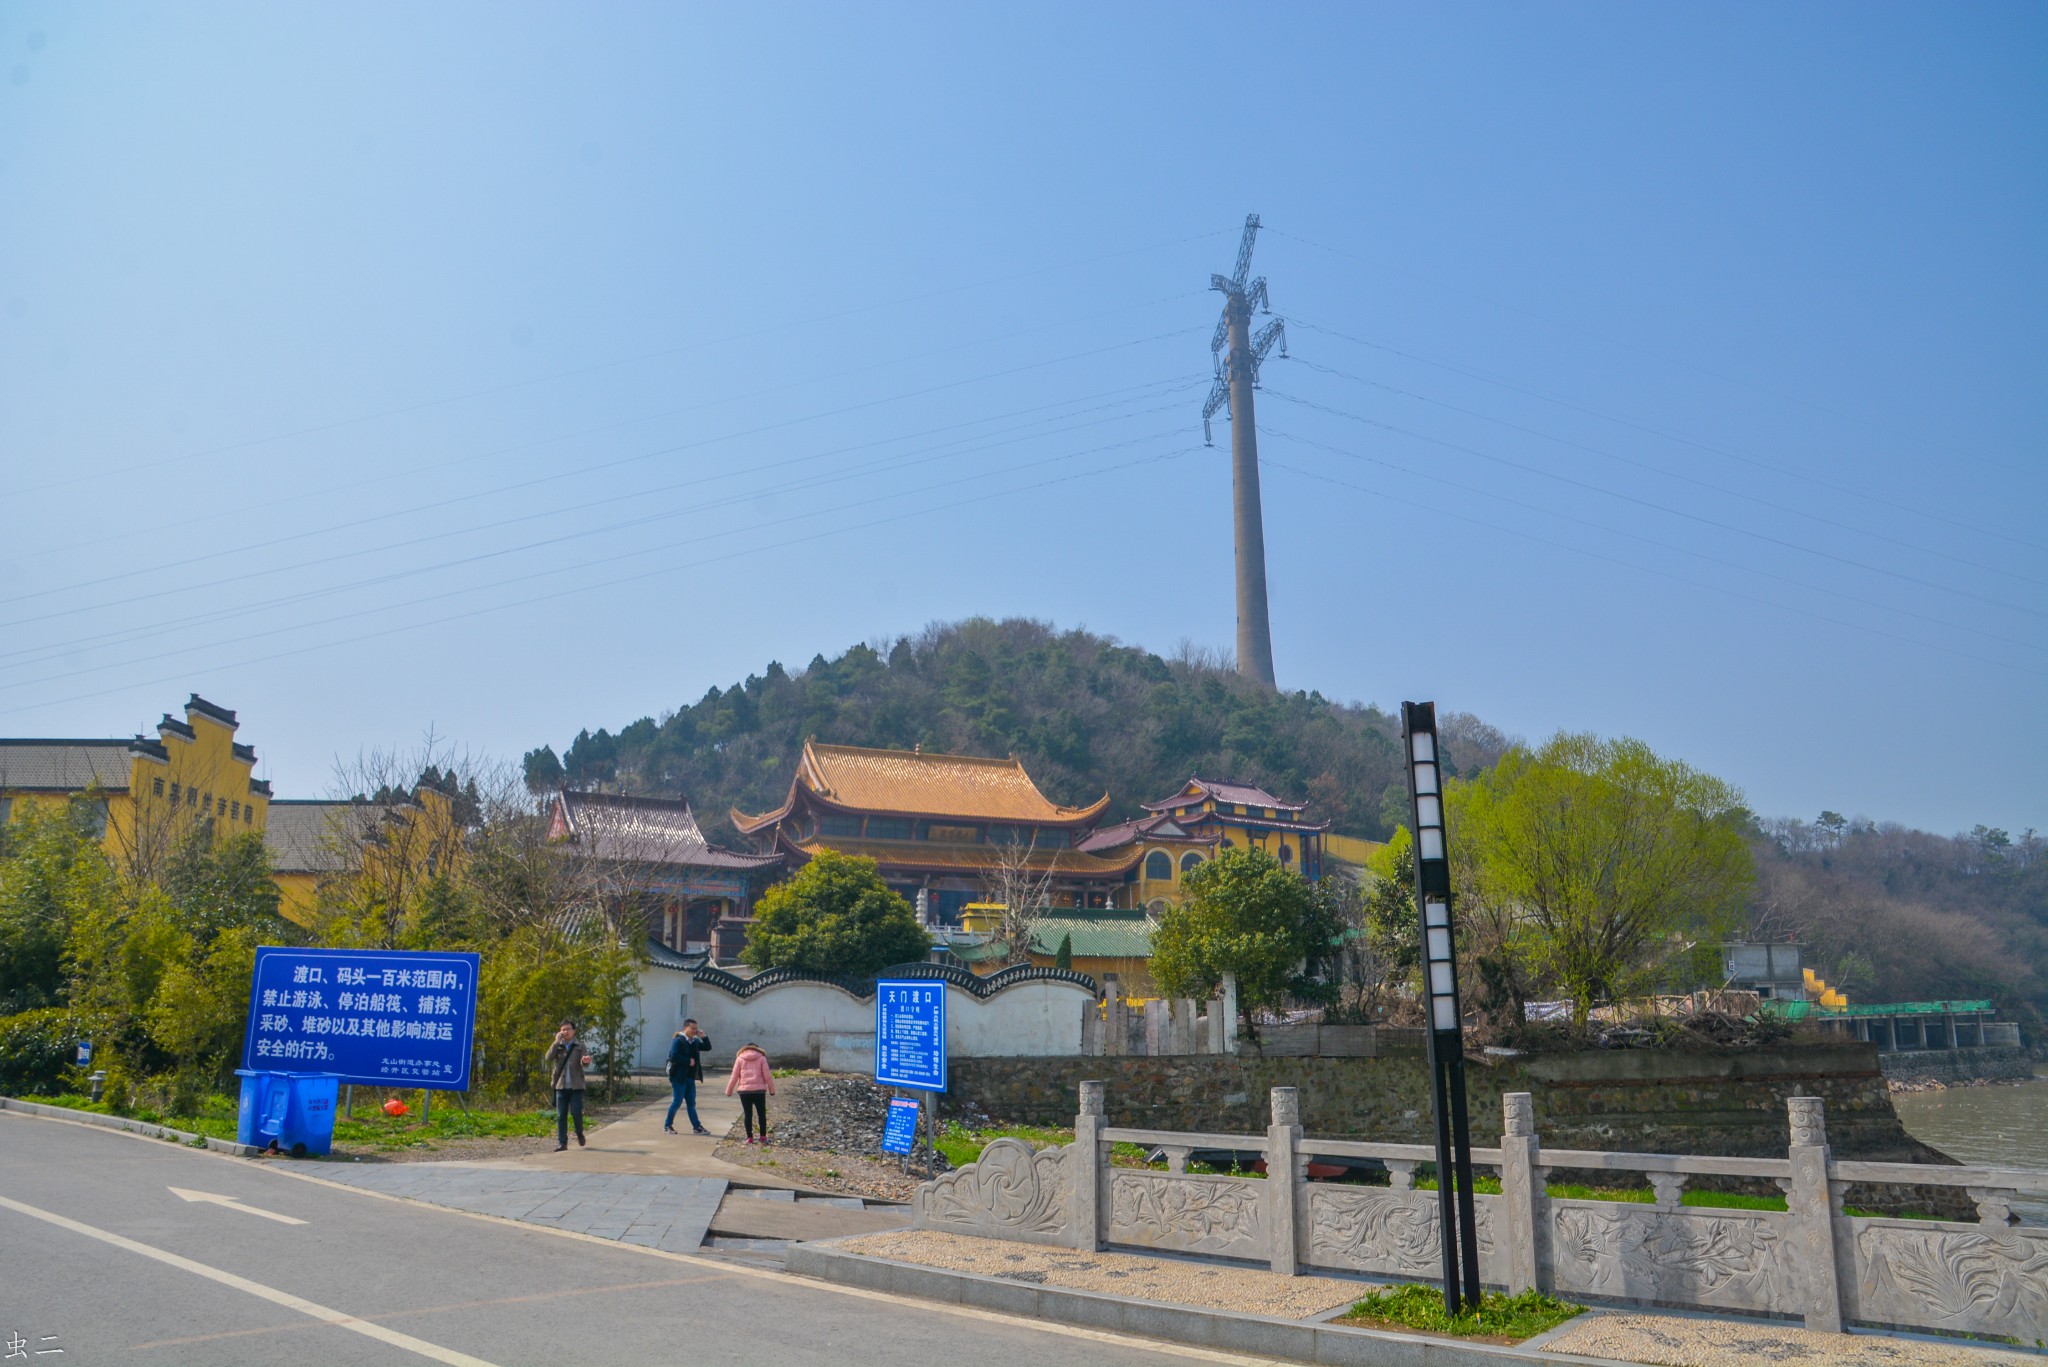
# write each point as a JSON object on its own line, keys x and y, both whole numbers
{"x": 1237, "y": 354}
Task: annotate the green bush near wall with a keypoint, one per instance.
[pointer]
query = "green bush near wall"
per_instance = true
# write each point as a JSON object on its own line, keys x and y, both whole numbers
{"x": 35, "y": 1051}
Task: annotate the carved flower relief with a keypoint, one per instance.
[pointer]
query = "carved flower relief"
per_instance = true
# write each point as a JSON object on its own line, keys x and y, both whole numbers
{"x": 1985, "y": 1282}
{"x": 1625, "y": 1252}
{"x": 1375, "y": 1231}
{"x": 1212, "y": 1216}
{"x": 1009, "y": 1185}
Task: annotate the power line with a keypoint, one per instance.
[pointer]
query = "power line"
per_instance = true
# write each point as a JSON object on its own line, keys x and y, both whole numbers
{"x": 632, "y": 578}
{"x": 1638, "y": 347}
{"x": 601, "y": 365}
{"x": 1722, "y": 451}
{"x": 1672, "y": 474}
{"x": 1944, "y": 622}
{"x": 946, "y": 450}
{"x": 1656, "y": 507}
{"x": 582, "y": 471}
{"x": 1646, "y": 569}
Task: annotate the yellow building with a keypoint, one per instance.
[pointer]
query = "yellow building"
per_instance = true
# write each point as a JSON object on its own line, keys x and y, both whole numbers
{"x": 148, "y": 793}
{"x": 359, "y": 854}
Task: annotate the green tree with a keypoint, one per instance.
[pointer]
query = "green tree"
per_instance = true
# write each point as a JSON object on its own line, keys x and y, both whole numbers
{"x": 1601, "y": 855}
{"x": 835, "y": 916}
{"x": 1245, "y": 913}
{"x": 222, "y": 885}
{"x": 54, "y": 875}
{"x": 1063, "y": 957}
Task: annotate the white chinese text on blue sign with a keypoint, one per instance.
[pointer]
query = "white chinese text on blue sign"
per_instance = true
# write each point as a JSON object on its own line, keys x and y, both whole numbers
{"x": 379, "y": 1016}
{"x": 910, "y": 1033}
{"x": 900, "y": 1134}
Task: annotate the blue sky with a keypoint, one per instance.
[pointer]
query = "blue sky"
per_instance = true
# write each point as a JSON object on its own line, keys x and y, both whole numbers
{"x": 1663, "y": 371}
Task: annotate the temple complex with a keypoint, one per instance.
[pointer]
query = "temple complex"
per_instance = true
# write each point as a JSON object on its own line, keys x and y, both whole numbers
{"x": 943, "y": 825}
{"x": 653, "y": 859}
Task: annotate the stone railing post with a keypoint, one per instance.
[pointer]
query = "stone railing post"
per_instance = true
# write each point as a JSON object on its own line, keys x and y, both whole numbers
{"x": 1284, "y": 1178}
{"x": 1115, "y": 1032}
{"x": 1086, "y": 1166}
{"x": 1522, "y": 1196}
{"x": 1229, "y": 995}
{"x": 1811, "y": 1205}
{"x": 1157, "y": 1028}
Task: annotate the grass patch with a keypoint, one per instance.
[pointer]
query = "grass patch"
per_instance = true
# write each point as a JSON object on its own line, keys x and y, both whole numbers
{"x": 962, "y": 1145}
{"x": 215, "y": 1120}
{"x": 1501, "y": 1316}
{"x": 369, "y": 1129}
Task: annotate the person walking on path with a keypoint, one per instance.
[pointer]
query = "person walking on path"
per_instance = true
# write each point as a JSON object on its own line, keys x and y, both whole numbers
{"x": 565, "y": 1062}
{"x": 753, "y": 1080}
{"x": 685, "y": 1070}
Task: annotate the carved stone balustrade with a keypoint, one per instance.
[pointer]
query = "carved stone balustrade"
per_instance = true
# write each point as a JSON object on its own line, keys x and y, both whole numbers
{"x": 1810, "y": 1260}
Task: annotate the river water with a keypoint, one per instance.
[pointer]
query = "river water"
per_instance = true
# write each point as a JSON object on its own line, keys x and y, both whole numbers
{"x": 2003, "y": 1125}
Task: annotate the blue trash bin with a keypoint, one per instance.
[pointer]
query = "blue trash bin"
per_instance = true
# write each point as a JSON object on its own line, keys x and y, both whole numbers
{"x": 261, "y": 1115}
{"x": 309, "y": 1117}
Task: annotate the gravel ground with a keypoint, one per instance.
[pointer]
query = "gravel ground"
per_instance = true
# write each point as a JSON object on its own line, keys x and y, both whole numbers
{"x": 1173, "y": 1280}
{"x": 1681, "y": 1341}
{"x": 827, "y": 1133}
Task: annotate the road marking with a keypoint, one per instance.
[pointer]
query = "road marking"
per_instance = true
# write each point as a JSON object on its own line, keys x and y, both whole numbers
{"x": 339, "y": 1319}
{"x": 793, "y": 1281}
{"x": 232, "y": 1203}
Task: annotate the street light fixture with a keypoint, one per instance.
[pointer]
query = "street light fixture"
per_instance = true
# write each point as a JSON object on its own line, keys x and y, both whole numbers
{"x": 1455, "y": 1215}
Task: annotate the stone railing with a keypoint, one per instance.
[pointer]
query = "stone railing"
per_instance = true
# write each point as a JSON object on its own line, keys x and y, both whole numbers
{"x": 1811, "y": 1261}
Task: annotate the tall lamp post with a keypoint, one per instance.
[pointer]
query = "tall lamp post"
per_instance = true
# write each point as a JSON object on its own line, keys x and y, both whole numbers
{"x": 1455, "y": 1218}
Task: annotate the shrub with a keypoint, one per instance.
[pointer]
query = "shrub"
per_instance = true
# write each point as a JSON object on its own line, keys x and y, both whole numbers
{"x": 36, "y": 1052}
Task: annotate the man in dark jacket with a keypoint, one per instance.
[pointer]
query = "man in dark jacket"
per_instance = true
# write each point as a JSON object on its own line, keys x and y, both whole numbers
{"x": 685, "y": 1070}
{"x": 564, "y": 1063}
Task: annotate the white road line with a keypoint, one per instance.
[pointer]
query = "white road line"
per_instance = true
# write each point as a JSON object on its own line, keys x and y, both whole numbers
{"x": 339, "y": 1319}
{"x": 231, "y": 1203}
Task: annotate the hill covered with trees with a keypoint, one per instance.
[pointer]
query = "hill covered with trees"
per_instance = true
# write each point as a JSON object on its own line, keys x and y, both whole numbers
{"x": 1893, "y": 914}
{"x": 1085, "y": 713}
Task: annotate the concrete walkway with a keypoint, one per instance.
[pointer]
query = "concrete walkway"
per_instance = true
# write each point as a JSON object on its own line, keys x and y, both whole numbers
{"x": 635, "y": 1183}
{"x": 669, "y": 1213}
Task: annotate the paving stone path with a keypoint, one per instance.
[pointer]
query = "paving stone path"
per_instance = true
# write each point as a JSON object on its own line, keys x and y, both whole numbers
{"x": 669, "y": 1213}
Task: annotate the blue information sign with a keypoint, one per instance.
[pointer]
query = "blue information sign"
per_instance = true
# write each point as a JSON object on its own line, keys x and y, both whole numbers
{"x": 900, "y": 1135}
{"x": 398, "y": 1017}
{"x": 910, "y": 1033}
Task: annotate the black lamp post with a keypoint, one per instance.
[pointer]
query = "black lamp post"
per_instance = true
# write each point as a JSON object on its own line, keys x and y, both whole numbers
{"x": 1455, "y": 1216}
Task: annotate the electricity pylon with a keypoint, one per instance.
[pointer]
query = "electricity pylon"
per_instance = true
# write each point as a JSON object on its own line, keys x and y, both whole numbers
{"x": 1237, "y": 375}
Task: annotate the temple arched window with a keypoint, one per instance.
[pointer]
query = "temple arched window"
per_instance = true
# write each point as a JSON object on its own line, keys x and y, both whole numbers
{"x": 1159, "y": 865}
{"x": 1188, "y": 862}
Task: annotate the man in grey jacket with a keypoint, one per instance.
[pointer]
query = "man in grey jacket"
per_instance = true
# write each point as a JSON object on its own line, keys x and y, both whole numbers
{"x": 564, "y": 1063}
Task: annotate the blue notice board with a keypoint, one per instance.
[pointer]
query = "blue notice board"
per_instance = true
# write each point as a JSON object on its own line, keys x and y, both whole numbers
{"x": 391, "y": 1016}
{"x": 900, "y": 1134}
{"x": 910, "y": 1033}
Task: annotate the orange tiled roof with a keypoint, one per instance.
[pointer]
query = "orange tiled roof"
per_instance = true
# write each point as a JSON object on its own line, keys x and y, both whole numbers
{"x": 911, "y": 783}
{"x": 970, "y": 858}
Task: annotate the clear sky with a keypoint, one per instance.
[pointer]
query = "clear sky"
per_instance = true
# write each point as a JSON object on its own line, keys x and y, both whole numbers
{"x": 1670, "y": 371}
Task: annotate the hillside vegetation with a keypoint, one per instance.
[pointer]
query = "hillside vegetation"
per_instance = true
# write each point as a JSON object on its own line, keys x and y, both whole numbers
{"x": 1085, "y": 714}
{"x": 1893, "y": 914}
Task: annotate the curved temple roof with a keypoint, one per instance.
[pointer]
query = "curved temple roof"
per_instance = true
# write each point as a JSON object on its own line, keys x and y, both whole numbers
{"x": 912, "y": 783}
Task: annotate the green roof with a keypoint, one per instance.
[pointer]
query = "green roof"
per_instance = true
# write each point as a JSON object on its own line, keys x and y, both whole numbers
{"x": 1106, "y": 934}
{"x": 1803, "y": 1010}
{"x": 1098, "y": 934}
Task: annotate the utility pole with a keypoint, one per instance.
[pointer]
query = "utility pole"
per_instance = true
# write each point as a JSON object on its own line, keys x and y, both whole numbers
{"x": 1237, "y": 354}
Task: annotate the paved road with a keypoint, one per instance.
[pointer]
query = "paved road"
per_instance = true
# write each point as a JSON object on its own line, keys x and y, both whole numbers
{"x": 100, "y": 1257}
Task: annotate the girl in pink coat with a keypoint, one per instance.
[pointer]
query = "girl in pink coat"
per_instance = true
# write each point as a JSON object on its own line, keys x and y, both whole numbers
{"x": 753, "y": 1080}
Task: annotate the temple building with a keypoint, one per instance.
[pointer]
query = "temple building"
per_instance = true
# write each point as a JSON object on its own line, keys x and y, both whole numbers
{"x": 148, "y": 791}
{"x": 649, "y": 857}
{"x": 1244, "y": 816}
{"x": 1167, "y": 851}
{"x": 350, "y": 854}
{"x": 943, "y": 825}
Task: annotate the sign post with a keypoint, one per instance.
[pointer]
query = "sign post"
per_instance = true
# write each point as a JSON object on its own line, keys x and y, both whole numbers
{"x": 1446, "y": 1029}
{"x": 385, "y": 1017}
{"x": 910, "y": 1041}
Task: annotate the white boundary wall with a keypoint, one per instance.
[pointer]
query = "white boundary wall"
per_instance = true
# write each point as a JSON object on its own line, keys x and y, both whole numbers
{"x": 814, "y": 1023}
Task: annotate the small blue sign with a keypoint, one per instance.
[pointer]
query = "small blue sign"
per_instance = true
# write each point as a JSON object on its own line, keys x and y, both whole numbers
{"x": 391, "y": 1017}
{"x": 84, "y": 1052}
{"x": 900, "y": 1134}
{"x": 910, "y": 1033}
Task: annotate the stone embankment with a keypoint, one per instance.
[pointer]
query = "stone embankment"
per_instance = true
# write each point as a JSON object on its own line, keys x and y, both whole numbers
{"x": 1919, "y": 1070}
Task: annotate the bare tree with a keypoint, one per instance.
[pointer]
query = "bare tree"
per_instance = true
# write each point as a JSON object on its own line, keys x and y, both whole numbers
{"x": 1024, "y": 894}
